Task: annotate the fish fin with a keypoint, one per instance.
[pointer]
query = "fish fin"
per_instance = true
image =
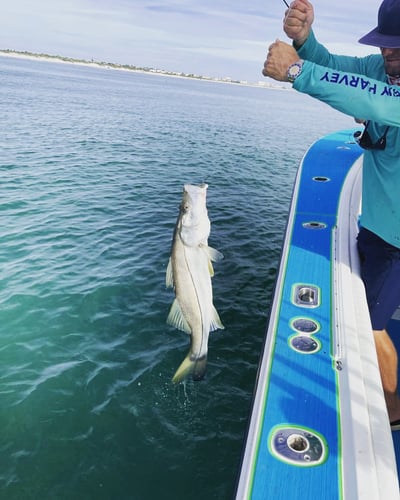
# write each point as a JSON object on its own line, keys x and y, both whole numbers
{"x": 210, "y": 268}
{"x": 196, "y": 367}
{"x": 212, "y": 253}
{"x": 216, "y": 322}
{"x": 177, "y": 319}
{"x": 169, "y": 278}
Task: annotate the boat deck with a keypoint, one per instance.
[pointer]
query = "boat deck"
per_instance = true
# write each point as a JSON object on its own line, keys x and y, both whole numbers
{"x": 319, "y": 426}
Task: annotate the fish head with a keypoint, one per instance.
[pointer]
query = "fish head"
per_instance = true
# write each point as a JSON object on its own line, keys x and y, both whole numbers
{"x": 195, "y": 224}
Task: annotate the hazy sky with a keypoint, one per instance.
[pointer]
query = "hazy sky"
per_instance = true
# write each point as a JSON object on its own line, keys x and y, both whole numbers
{"x": 208, "y": 37}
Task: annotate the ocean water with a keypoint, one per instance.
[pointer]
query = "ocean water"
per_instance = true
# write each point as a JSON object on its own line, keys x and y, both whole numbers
{"x": 92, "y": 167}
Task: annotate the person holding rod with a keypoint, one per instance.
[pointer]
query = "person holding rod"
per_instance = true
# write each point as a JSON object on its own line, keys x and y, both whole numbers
{"x": 367, "y": 88}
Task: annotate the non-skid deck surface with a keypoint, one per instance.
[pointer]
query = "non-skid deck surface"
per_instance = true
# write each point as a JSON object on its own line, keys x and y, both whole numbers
{"x": 294, "y": 447}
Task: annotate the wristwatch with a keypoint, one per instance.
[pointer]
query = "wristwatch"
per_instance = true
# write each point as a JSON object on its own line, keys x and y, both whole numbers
{"x": 294, "y": 70}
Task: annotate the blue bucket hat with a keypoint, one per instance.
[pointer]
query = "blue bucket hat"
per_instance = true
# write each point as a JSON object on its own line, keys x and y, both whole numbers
{"x": 387, "y": 33}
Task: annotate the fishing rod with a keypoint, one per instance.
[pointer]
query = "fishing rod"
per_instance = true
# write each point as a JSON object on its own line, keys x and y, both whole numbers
{"x": 285, "y": 2}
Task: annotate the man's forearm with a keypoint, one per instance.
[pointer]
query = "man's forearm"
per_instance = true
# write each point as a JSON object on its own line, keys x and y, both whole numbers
{"x": 351, "y": 93}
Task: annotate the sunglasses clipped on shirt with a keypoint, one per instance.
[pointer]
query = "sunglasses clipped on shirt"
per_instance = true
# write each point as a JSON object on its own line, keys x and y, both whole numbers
{"x": 364, "y": 140}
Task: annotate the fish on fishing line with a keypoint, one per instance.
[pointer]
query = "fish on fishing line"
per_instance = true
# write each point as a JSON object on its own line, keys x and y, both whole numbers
{"x": 189, "y": 272}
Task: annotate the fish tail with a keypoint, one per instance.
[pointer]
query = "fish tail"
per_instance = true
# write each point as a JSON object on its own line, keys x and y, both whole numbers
{"x": 200, "y": 366}
{"x": 194, "y": 366}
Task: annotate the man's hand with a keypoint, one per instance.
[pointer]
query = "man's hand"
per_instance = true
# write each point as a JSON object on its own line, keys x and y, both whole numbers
{"x": 298, "y": 20}
{"x": 280, "y": 56}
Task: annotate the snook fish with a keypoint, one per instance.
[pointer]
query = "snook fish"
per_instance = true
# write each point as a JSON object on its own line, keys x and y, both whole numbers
{"x": 189, "y": 272}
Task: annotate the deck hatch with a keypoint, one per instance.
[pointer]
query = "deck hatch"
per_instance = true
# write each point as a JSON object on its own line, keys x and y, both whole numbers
{"x": 306, "y": 295}
{"x": 298, "y": 446}
{"x": 305, "y": 325}
{"x": 321, "y": 178}
{"x": 314, "y": 225}
{"x": 304, "y": 344}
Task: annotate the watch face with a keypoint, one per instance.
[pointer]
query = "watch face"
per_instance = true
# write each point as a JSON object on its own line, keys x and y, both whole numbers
{"x": 294, "y": 70}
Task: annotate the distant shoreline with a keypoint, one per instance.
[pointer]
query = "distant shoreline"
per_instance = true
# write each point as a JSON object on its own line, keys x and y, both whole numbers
{"x": 126, "y": 67}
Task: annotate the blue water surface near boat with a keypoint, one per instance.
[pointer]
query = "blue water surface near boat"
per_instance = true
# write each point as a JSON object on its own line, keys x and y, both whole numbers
{"x": 92, "y": 167}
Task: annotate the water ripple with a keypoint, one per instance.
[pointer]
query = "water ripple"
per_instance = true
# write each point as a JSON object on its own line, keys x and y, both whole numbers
{"x": 91, "y": 183}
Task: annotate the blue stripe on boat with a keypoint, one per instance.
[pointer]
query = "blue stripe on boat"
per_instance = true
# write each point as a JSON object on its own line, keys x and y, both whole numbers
{"x": 297, "y": 445}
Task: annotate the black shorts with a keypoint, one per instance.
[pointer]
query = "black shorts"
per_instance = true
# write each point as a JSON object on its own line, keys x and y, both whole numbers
{"x": 380, "y": 271}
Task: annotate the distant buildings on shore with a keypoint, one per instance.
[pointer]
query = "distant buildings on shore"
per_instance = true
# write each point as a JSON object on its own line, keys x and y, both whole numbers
{"x": 128, "y": 67}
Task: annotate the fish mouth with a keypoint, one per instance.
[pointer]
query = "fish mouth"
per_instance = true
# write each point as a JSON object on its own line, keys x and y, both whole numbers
{"x": 188, "y": 187}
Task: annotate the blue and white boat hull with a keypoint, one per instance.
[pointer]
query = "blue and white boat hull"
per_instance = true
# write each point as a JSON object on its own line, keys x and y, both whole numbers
{"x": 319, "y": 427}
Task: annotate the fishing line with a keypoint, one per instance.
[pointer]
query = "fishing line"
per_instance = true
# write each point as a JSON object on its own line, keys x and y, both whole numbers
{"x": 287, "y": 12}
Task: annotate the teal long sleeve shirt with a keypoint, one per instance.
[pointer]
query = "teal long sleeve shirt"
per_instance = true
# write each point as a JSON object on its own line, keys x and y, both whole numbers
{"x": 358, "y": 87}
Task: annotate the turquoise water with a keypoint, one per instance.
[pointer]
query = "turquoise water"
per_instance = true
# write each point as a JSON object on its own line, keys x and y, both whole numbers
{"x": 92, "y": 167}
